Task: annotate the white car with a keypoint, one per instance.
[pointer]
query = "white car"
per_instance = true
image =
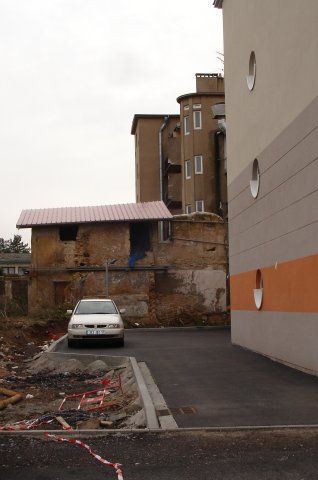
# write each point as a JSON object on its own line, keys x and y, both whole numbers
{"x": 95, "y": 319}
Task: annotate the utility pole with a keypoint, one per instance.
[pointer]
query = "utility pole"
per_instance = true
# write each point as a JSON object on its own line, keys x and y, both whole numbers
{"x": 108, "y": 262}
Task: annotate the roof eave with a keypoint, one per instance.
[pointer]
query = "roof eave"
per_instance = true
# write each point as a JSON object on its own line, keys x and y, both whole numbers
{"x": 57, "y": 224}
{"x": 139, "y": 116}
{"x": 133, "y": 212}
{"x": 200, "y": 94}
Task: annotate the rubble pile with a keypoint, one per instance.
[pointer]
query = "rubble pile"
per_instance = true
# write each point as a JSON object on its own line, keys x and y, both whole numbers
{"x": 21, "y": 338}
{"x": 12, "y": 357}
{"x": 70, "y": 395}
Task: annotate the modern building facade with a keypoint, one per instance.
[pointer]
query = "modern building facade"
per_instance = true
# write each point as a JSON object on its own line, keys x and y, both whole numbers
{"x": 271, "y": 71}
{"x": 202, "y": 151}
{"x": 157, "y": 159}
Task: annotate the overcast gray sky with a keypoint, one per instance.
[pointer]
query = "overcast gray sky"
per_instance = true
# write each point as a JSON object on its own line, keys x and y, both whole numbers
{"x": 73, "y": 74}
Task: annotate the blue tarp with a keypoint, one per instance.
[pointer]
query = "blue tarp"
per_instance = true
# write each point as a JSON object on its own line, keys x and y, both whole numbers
{"x": 134, "y": 257}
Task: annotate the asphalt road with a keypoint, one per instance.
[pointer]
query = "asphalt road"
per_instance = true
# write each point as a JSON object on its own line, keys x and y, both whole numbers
{"x": 291, "y": 455}
{"x": 224, "y": 385}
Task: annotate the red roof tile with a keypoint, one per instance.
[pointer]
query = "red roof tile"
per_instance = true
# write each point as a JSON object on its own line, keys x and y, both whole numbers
{"x": 102, "y": 213}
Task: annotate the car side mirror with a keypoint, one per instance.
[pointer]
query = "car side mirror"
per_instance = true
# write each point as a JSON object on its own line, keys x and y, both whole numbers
{"x": 69, "y": 312}
{"x": 122, "y": 310}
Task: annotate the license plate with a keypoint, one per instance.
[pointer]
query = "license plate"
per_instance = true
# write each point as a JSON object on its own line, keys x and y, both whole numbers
{"x": 94, "y": 332}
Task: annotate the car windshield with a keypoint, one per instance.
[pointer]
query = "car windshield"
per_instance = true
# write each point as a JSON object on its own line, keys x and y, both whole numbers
{"x": 89, "y": 308}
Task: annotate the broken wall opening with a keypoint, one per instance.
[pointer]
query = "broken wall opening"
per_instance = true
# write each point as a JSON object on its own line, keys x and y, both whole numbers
{"x": 139, "y": 237}
{"x": 68, "y": 233}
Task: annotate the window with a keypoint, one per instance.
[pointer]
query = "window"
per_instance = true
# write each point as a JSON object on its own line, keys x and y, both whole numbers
{"x": 188, "y": 209}
{"x": 165, "y": 229}
{"x": 186, "y": 107}
{"x": 199, "y": 206}
{"x": 258, "y": 290}
{"x": 187, "y": 169}
{"x": 91, "y": 307}
{"x": 197, "y": 120}
{"x": 198, "y": 164}
{"x": 8, "y": 270}
{"x": 68, "y": 233}
{"x": 186, "y": 126}
{"x": 255, "y": 181}
{"x": 250, "y": 79}
{"x": 196, "y": 106}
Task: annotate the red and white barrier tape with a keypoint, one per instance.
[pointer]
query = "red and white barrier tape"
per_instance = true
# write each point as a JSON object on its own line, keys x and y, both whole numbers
{"x": 25, "y": 425}
{"x": 116, "y": 466}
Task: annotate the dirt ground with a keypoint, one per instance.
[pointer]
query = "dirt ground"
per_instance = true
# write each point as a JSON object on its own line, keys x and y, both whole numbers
{"x": 25, "y": 369}
{"x": 21, "y": 338}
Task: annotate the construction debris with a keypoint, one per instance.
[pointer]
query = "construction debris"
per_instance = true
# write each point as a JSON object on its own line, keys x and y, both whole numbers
{"x": 116, "y": 466}
{"x": 64, "y": 424}
{"x": 12, "y": 397}
{"x": 106, "y": 423}
{"x": 61, "y": 399}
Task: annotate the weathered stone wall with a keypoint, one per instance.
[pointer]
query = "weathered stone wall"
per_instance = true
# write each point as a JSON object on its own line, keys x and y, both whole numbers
{"x": 13, "y": 295}
{"x": 195, "y": 287}
{"x": 198, "y": 294}
{"x": 180, "y": 278}
{"x": 94, "y": 245}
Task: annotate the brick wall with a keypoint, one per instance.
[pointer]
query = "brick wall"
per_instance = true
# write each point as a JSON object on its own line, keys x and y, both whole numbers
{"x": 178, "y": 279}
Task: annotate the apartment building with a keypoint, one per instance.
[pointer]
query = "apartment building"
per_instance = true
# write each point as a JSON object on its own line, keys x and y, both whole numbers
{"x": 181, "y": 159}
{"x": 202, "y": 148}
{"x": 271, "y": 71}
{"x": 157, "y": 159}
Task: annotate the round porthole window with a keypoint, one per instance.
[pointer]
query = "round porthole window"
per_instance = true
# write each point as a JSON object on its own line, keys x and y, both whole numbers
{"x": 258, "y": 291}
{"x": 250, "y": 79}
{"x": 254, "y": 182}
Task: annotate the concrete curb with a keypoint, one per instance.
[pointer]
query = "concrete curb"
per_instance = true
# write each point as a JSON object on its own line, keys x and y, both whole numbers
{"x": 169, "y": 329}
{"x": 150, "y": 412}
{"x": 178, "y": 431}
{"x": 165, "y": 419}
{"x": 54, "y": 344}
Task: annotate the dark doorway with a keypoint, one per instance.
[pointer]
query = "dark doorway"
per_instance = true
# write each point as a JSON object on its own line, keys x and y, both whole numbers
{"x": 59, "y": 292}
{"x": 139, "y": 237}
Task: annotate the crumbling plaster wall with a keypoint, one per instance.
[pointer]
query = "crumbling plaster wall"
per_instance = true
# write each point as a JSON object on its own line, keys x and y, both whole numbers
{"x": 95, "y": 244}
{"x": 195, "y": 286}
{"x": 194, "y": 283}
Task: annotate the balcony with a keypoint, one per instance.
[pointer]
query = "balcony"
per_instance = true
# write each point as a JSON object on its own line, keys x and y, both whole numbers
{"x": 218, "y": 110}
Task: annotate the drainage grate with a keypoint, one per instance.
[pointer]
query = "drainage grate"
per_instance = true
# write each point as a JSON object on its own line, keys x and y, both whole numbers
{"x": 163, "y": 413}
{"x": 189, "y": 410}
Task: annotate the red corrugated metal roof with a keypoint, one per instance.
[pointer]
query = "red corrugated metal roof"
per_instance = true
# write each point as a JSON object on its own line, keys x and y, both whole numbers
{"x": 102, "y": 213}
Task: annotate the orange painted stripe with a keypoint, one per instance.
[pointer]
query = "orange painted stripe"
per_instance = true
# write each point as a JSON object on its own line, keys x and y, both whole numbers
{"x": 288, "y": 287}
